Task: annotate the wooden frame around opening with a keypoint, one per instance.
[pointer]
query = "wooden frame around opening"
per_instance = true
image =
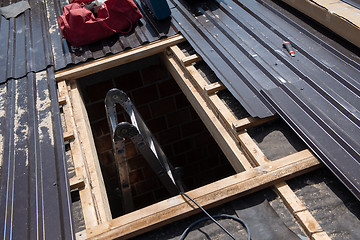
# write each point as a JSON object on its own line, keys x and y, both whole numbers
{"x": 254, "y": 171}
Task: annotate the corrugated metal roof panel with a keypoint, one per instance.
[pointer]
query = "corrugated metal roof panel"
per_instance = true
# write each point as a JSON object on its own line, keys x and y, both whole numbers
{"x": 317, "y": 92}
{"x": 34, "y": 191}
{"x": 147, "y": 30}
{"x": 32, "y": 41}
{"x": 24, "y": 42}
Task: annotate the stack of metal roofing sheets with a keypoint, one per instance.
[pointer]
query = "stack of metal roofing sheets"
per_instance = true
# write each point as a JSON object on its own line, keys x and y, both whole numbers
{"x": 317, "y": 92}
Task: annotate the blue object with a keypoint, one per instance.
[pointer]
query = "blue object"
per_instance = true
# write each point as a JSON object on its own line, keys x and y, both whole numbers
{"x": 159, "y": 8}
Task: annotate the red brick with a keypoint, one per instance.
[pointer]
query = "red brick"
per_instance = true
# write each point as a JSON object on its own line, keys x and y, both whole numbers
{"x": 136, "y": 163}
{"x": 107, "y": 157}
{"x": 97, "y": 91}
{"x": 133, "y": 190}
{"x": 154, "y": 73}
{"x": 218, "y": 173}
{"x": 148, "y": 172}
{"x": 192, "y": 169}
{"x": 213, "y": 150}
{"x": 189, "y": 183}
{"x": 223, "y": 159}
{"x": 196, "y": 154}
{"x": 162, "y": 106}
{"x": 111, "y": 170}
{"x": 168, "y": 150}
{"x": 156, "y": 125}
{"x": 179, "y": 160}
{"x": 212, "y": 161}
{"x": 114, "y": 182}
{"x": 129, "y": 81}
{"x": 169, "y": 135}
{"x": 178, "y": 117}
{"x": 183, "y": 146}
{"x": 130, "y": 150}
{"x": 100, "y": 128}
{"x": 122, "y": 116}
{"x": 146, "y": 186}
{"x": 194, "y": 114}
{"x": 96, "y": 111}
{"x": 103, "y": 144}
{"x": 136, "y": 176}
{"x": 161, "y": 194}
{"x": 144, "y": 112}
{"x": 144, "y": 200}
{"x": 192, "y": 128}
{"x": 204, "y": 138}
{"x": 168, "y": 88}
{"x": 145, "y": 95}
{"x": 181, "y": 101}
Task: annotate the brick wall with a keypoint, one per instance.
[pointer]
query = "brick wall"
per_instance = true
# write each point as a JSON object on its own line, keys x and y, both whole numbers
{"x": 169, "y": 116}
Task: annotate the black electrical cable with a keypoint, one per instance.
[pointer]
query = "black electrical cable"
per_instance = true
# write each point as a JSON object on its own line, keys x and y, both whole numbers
{"x": 213, "y": 219}
{"x": 215, "y": 216}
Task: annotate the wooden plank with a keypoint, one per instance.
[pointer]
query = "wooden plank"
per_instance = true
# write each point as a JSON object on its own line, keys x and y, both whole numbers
{"x": 338, "y": 16}
{"x": 124, "y": 179}
{"x": 92, "y": 165}
{"x": 186, "y": 61}
{"x": 252, "y": 149}
{"x": 250, "y": 122}
{"x": 214, "y": 87}
{"x": 117, "y": 59}
{"x": 290, "y": 199}
{"x": 200, "y": 82}
{"x": 86, "y": 198}
{"x": 77, "y": 182}
{"x": 207, "y": 196}
{"x": 81, "y": 235}
{"x": 298, "y": 209}
{"x": 308, "y": 222}
{"x": 62, "y": 100}
{"x": 222, "y": 110}
{"x": 68, "y": 136}
{"x": 320, "y": 236}
{"x": 63, "y": 94}
{"x": 226, "y": 142}
{"x": 194, "y": 73}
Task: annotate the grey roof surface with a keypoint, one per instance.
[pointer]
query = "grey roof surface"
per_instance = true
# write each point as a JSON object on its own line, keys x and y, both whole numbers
{"x": 317, "y": 92}
{"x": 34, "y": 191}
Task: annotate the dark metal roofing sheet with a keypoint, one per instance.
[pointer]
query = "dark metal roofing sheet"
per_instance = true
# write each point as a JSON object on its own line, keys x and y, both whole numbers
{"x": 317, "y": 92}
{"x": 32, "y": 41}
{"x": 147, "y": 30}
{"x": 34, "y": 191}
{"x": 24, "y": 42}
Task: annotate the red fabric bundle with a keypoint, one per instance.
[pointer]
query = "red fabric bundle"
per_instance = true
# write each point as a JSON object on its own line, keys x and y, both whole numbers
{"x": 80, "y": 27}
